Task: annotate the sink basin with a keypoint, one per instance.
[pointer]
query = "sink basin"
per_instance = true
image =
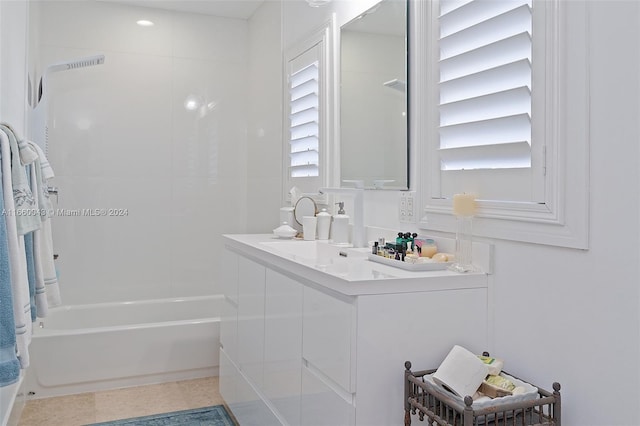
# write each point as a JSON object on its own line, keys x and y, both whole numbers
{"x": 313, "y": 250}
{"x": 305, "y": 249}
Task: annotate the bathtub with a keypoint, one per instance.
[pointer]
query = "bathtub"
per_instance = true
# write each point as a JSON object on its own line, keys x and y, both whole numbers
{"x": 86, "y": 348}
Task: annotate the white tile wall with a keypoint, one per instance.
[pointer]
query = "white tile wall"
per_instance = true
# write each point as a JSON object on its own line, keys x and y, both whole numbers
{"x": 120, "y": 137}
{"x": 264, "y": 136}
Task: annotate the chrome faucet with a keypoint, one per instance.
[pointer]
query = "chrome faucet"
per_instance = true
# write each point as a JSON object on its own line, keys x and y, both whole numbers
{"x": 359, "y": 238}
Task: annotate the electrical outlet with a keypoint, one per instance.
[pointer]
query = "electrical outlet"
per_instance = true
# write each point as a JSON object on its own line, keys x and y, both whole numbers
{"x": 407, "y": 206}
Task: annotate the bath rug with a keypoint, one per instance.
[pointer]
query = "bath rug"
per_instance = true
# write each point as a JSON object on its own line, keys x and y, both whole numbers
{"x": 207, "y": 416}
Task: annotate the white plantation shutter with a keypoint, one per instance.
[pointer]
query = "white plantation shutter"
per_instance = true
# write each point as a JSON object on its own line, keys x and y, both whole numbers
{"x": 307, "y": 119}
{"x": 304, "y": 121}
{"x": 485, "y": 81}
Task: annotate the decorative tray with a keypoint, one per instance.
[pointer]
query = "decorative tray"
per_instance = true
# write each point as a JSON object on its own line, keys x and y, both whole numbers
{"x": 431, "y": 266}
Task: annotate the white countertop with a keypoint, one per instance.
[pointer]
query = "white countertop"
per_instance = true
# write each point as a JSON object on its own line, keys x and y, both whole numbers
{"x": 320, "y": 264}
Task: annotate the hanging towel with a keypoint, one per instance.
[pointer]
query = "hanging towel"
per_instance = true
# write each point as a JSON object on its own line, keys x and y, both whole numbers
{"x": 45, "y": 266}
{"x": 36, "y": 276}
{"x": 17, "y": 259}
{"x": 52, "y": 288}
{"x": 27, "y": 153}
{"x": 9, "y": 365}
{"x": 44, "y": 172}
{"x": 26, "y": 217}
{"x": 47, "y": 171}
{"x": 31, "y": 272}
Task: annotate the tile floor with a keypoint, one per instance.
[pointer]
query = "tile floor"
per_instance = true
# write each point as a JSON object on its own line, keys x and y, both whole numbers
{"x": 86, "y": 408}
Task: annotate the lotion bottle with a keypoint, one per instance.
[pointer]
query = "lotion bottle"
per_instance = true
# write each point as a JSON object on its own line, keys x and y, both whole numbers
{"x": 340, "y": 226}
{"x": 324, "y": 223}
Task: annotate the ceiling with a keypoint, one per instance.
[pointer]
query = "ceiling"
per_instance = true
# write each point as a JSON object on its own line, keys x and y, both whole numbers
{"x": 239, "y": 9}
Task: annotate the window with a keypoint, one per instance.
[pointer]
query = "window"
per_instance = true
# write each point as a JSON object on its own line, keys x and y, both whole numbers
{"x": 307, "y": 121}
{"x": 505, "y": 102}
{"x": 485, "y": 74}
{"x": 304, "y": 130}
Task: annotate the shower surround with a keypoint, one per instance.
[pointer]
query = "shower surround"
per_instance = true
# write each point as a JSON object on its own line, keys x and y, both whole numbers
{"x": 144, "y": 147}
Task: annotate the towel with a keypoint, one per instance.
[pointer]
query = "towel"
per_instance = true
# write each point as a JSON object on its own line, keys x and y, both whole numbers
{"x": 36, "y": 276}
{"x": 43, "y": 239}
{"x": 44, "y": 172}
{"x": 26, "y": 216}
{"x": 17, "y": 258}
{"x": 27, "y": 153}
{"x": 52, "y": 288}
{"x": 31, "y": 273}
{"x": 9, "y": 365}
{"x": 47, "y": 171}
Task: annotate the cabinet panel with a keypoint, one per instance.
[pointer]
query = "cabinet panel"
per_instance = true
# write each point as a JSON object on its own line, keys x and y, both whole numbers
{"x": 249, "y": 408}
{"x": 229, "y": 328}
{"x": 327, "y": 336}
{"x": 321, "y": 406}
{"x": 229, "y": 275}
{"x": 251, "y": 287}
{"x": 228, "y": 379}
{"x": 283, "y": 345}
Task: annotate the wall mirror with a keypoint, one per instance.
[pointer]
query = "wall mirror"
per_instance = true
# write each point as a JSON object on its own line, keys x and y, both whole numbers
{"x": 374, "y": 145}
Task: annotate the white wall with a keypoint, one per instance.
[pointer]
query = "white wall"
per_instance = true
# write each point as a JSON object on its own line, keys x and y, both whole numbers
{"x": 264, "y": 136}
{"x": 572, "y": 301}
{"x": 558, "y": 314}
{"x": 13, "y": 47}
{"x": 120, "y": 137}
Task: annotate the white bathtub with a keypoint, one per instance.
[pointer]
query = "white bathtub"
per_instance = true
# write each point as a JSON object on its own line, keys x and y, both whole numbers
{"x": 86, "y": 348}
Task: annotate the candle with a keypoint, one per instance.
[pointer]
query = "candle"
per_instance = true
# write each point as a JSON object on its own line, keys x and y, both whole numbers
{"x": 464, "y": 204}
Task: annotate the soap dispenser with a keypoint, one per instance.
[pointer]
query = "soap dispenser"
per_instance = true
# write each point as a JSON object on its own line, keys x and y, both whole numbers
{"x": 340, "y": 226}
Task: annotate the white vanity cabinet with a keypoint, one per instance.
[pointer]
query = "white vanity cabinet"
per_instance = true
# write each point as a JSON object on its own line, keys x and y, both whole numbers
{"x": 316, "y": 349}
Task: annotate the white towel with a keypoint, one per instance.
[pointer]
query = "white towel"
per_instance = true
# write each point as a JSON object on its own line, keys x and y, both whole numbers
{"x": 42, "y": 305}
{"x": 17, "y": 259}
{"x": 27, "y": 220}
{"x": 51, "y": 285}
{"x": 27, "y": 154}
{"x": 41, "y": 186}
{"x": 47, "y": 171}
{"x": 43, "y": 240}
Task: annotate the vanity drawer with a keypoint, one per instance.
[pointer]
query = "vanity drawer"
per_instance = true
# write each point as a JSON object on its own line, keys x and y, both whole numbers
{"x": 228, "y": 379}
{"x": 322, "y": 404}
{"x": 328, "y": 330}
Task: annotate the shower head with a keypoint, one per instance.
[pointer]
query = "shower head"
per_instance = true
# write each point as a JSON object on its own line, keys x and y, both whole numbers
{"x": 74, "y": 64}
{"x": 396, "y": 84}
{"x": 40, "y": 128}
{"x": 87, "y": 61}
